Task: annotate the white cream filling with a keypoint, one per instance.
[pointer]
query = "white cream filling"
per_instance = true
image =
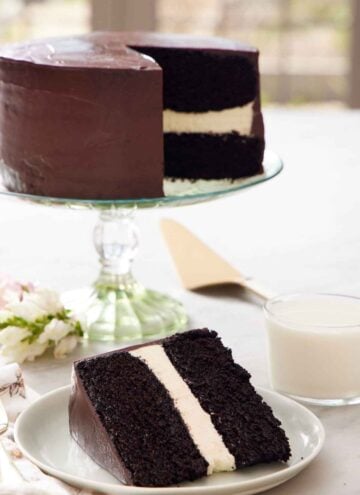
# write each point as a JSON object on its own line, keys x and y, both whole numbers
{"x": 198, "y": 422}
{"x": 238, "y": 119}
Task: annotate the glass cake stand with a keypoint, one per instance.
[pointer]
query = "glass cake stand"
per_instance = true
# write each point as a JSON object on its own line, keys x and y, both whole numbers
{"x": 118, "y": 307}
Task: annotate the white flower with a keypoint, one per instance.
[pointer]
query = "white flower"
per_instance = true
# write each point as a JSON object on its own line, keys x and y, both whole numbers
{"x": 35, "y": 349}
{"x": 65, "y": 346}
{"x": 10, "y": 336}
{"x": 36, "y": 304}
{"x": 54, "y": 327}
{"x": 46, "y": 299}
{"x": 5, "y": 315}
{"x": 55, "y": 330}
{"x": 10, "y": 290}
{"x": 26, "y": 309}
{"x": 9, "y": 296}
{"x": 22, "y": 351}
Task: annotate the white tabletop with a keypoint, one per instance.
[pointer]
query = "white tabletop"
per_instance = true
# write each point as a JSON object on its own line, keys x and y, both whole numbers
{"x": 297, "y": 232}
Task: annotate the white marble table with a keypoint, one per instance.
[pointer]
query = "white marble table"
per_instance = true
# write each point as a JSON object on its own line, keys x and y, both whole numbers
{"x": 297, "y": 232}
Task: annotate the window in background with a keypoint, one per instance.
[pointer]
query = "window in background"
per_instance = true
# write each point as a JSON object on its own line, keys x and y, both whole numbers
{"x": 304, "y": 44}
{"x": 23, "y": 19}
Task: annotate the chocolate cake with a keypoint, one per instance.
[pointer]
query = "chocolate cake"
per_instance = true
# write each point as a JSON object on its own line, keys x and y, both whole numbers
{"x": 170, "y": 411}
{"x": 95, "y": 116}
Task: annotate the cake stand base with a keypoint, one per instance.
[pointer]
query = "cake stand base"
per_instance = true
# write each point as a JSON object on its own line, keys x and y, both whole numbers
{"x": 126, "y": 313}
{"x": 118, "y": 308}
{"x": 132, "y": 313}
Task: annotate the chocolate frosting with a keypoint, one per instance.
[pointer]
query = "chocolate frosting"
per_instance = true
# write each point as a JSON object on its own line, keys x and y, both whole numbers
{"x": 89, "y": 432}
{"x": 74, "y": 133}
{"x": 110, "y": 50}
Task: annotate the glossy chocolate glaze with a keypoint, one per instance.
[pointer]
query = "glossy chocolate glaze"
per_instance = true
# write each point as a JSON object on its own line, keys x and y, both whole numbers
{"x": 90, "y": 131}
{"x": 110, "y": 50}
{"x": 89, "y": 432}
{"x": 81, "y": 117}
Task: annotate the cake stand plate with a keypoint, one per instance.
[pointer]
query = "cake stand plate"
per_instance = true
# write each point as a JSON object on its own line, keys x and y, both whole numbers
{"x": 118, "y": 307}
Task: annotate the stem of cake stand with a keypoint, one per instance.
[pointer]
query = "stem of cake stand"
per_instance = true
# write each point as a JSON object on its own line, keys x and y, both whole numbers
{"x": 120, "y": 307}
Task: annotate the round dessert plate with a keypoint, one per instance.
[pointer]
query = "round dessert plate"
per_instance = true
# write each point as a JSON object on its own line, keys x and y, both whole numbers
{"x": 178, "y": 192}
{"x": 42, "y": 434}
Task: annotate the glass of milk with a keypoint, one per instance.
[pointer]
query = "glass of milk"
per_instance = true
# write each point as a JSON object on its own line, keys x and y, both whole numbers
{"x": 314, "y": 347}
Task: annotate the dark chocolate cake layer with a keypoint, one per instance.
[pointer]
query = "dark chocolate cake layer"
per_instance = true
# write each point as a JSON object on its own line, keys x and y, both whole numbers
{"x": 212, "y": 156}
{"x": 199, "y": 81}
{"x": 247, "y": 425}
{"x": 150, "y": 444}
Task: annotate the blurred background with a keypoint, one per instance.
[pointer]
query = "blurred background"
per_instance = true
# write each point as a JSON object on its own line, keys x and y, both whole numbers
{"x": 310, "y": 50}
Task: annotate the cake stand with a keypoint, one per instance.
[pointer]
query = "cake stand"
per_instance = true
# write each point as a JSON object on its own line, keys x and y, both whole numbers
{"x": 118, "y": 307}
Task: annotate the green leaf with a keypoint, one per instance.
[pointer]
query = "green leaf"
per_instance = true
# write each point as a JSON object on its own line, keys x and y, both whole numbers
{"x": 37, "y": 327}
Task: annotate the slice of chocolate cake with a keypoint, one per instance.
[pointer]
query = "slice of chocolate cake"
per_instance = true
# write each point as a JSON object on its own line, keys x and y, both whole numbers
{"x": 171, "y": 411}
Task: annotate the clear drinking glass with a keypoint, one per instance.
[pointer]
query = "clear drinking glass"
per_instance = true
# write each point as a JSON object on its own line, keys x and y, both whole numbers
{"x": 314, "y": 347}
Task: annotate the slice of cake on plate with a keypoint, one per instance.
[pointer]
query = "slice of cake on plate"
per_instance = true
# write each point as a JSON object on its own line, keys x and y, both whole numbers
{"x": 171, "y": 411}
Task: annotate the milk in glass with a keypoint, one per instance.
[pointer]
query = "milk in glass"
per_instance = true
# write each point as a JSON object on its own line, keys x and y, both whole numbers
{"x": 314, "y": 346}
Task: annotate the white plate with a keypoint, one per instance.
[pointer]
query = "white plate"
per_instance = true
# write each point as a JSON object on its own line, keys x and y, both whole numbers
{"x": 42, "y": 433}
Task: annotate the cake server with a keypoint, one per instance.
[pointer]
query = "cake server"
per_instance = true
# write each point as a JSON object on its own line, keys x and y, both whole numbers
{"x": 199, "y": 266}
